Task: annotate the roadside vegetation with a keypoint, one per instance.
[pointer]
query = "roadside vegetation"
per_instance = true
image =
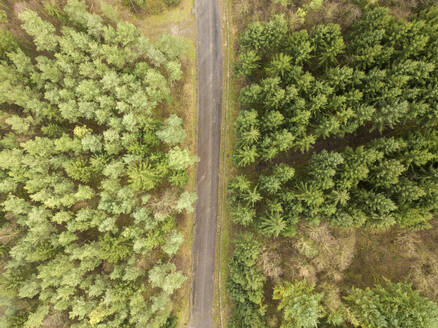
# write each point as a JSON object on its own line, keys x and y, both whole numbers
{"x": 93, "y": 170}
{"x": 149, "y": 7}
{"x": 334, "y": 192}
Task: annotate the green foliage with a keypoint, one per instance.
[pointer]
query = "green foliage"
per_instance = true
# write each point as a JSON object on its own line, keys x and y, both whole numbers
{"x": 173, "y": 243}
{"x": 311, "y": 86}
{"x": 265, "y": 37}
{"x": 393, "y": 305}
{"x": 173, "y": 131}
{"x": 185, "y": 202}
{"x": 3, "y": 16}
{"x": 109, "y": 12}
{"x": 134, "y": 3}
{"x": 171, "y": 322}
{"x": 273, "y": 224}
{"x": 179, "y": 178}
{"x": 80, "y": 170}
{"x": 315, "y": 4}
{"x": 43, "y": 32}
{"x": 247, "y": 63}
{"x": 317, "y": 85}
{"x": 327, "y": 43}
{"x": 82, "y": 140}
{"x": 180, "y": 159}
{"x": 8, "y": 43}
{"x": 300, "y": 304}
{"x": 150, "y": 7}
{"x": 55, "y": 11}
{"x": 145, "y": 177}
{"x": 115, "y": 248}
{"x": 172, "y": 2}
{"x": 245, "y": 284}
{"x": 166, "y": 277}
{"x": 376, "y": 185}
{"x": 370, "y": 91}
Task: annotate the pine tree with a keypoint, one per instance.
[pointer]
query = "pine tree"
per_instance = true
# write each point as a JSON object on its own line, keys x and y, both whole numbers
{"x": 173, "y": 131}
{"x": 248, "y": 62}
{"x": 392, "y": 305}
{"x": 300, "y": 304}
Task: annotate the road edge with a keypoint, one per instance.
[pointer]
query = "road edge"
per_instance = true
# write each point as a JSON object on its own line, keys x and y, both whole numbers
{"x": 221, "y": 301}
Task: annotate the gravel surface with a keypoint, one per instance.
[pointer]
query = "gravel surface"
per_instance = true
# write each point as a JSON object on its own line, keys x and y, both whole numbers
{"x": 209, "y": 64}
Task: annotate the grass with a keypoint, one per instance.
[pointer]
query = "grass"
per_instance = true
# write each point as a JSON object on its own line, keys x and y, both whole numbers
{"x": 225, "y": 228}
{"x": 166, "y": 22}
{"x": 188, "y": 109}
{"x": 176, "y": 14}
{"x": 398, "y": 255}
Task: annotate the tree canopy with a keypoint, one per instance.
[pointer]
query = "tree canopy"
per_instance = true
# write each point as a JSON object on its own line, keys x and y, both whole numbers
{"x": 379, "y": 76}
{"x": 92, "y": 175}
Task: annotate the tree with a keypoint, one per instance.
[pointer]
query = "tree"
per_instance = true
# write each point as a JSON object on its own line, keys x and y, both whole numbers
{"x": 79, "y": 150}
{"x": 240, "y": 190}
{"x": 300, "y": 304}
{"x": 387, "y": 173}
{"x": 392, "y": 305}
{"x": 247, "y": 127}
{"x": 8, "y": 43}
{"x": 145, "y": 177}
{"x": 180, "y": 159}
{"x": 166, "y": 277}
{"x": 36, "y": 318}
{"x": 280, "y": 65}
{"x": 248, "y": 62}
{"x": 245, "y": 284}
{"x": 115, "y": 248}
{"x": 43, "y": 32}
{"x": 250, "y": 96}
{"x": 173, "y": 243}
{"x": 245, "y": 156}
{"x": 185, "y": 202}
{"x": 242, "y": 214}
{"x": 299, "y": 46}
{"x": 323, "y": 166}
{"x": 19, "y": 124}
{"x": 327, "y": 43}
{"x": 274, "y": 96}
{"x": 273, "y": 224}
{"x": 261, "y": 37}
{"x": 173, "y": 131}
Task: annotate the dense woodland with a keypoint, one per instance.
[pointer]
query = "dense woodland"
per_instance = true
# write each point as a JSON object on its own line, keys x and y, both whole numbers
{"x": 93, "y": 169}
{"x": 336, "y": 133}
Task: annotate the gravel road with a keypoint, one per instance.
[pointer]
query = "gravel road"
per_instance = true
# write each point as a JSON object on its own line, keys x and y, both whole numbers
{"x": 209, "y": 64}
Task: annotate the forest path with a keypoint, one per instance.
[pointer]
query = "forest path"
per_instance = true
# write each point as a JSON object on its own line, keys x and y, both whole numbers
{"x": 209, "y": 65}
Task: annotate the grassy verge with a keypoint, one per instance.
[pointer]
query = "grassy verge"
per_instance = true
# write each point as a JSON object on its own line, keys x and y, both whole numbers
{"x": 225, "y": 228}
{"x": 179, "y": 13}
{"x": 179, "y": 20}
{"x": 188, "y": 109}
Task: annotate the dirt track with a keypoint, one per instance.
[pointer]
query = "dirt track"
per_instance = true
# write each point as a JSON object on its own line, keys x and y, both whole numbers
{"x": 209, "y": 63}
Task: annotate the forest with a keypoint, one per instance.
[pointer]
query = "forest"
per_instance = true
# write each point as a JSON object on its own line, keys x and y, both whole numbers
{"x": 93, "y": 171}
{"x": 330, "y": 180}
{"x": 335, "y": 149}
